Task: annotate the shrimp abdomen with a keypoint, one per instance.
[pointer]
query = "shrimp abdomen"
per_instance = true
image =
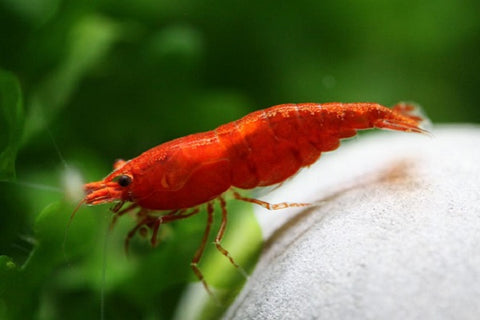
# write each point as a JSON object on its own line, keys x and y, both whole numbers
{"x": 268, "y": 146}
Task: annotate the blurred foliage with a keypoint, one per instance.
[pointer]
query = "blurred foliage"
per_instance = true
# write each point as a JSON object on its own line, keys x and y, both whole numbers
{"x": 12, "y": 121}
{"x": 85, "y": 82}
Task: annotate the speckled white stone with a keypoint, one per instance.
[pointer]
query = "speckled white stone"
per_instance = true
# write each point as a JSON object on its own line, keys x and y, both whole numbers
{"x": 396, "y": 234}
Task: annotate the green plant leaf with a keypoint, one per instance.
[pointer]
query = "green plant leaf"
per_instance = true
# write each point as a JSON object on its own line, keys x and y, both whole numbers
{"x": 11, "y": 123}
{"x": 47, "y": 260}
{"x": 8, "y": 272}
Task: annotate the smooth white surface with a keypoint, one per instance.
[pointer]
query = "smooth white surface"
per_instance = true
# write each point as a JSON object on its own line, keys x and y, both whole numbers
{"x": 396, "y": 236}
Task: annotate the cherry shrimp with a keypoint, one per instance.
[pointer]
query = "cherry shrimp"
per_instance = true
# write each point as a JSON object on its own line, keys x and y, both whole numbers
{"x": 264, "y": 148}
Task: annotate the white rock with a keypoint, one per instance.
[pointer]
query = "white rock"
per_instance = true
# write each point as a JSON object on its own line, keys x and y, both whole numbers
{"x": 396, "y": 236}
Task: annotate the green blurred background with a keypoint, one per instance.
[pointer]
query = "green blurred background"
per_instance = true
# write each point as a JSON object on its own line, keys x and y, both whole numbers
{"x": 86, "y": 82}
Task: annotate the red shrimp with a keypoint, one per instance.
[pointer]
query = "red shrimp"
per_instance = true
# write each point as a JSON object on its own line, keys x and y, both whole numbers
{"x": 263, "y": 148}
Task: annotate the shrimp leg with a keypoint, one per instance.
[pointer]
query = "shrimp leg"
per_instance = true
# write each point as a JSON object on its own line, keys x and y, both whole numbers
{"x": 175, "y": 215}
{"x": 219, "y": 237}
{"x": 201, "y": 249}
{"x": 132, "y": 232}
{"x": 155, "y": 222}
{"x": 270, "y": 206}
{"x": 118, "y": 214}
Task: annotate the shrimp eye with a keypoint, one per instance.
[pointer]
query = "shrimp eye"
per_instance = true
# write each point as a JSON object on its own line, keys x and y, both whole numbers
{"x": 124, "y": 180}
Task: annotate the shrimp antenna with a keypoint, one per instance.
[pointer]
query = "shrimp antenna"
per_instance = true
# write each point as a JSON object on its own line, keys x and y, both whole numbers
{"x": 68, "y": 225}
{"x": 57, "y": 149}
